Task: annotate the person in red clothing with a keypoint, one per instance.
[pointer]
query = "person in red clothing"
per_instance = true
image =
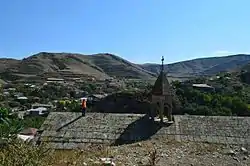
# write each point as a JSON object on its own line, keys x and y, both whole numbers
{"x": 84, "y": 106}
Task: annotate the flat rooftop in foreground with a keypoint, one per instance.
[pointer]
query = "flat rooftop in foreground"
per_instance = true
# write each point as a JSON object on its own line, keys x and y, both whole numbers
{"x": 68, "y": 130}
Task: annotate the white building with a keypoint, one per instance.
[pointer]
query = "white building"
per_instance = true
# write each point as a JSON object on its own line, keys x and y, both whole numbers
{"x": 22, "y": 98}
{"x": 27, "y": 134}
{"x": 40, "y": 111}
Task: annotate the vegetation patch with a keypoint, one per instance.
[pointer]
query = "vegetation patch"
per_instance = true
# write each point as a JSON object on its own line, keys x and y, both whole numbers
{"x": 230, "y": 97}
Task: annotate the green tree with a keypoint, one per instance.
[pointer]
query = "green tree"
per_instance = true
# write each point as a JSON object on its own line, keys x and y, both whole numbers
{"x": 4, "y": 113}
{"x": 207, "y": 98}
{"x": 13, "y": 104}
{"x": 34, "y": 122}
{"x": 176, "y": 84}
{"x": 239, "y": 107}
{"x": 222, "y": 111}
{"x": 203, "y": 110}
{"x": 72, "y": 94}
{"x": 74, "y": 106}
{"x": 227, "y": 102}
{"x": 92, "y": 87}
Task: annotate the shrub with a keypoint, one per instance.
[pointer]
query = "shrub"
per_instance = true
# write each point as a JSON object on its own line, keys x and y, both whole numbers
{"x": 18, "y": 153}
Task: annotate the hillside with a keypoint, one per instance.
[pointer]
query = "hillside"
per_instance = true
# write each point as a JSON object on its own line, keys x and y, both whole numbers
{"x": 105, "y": 65}
{"x": 6, "y": 63}
{"x": 59, "y": 64}
{"x": 116, "y": 66}
{"x": 202, "y": 66}
{"x": 246, "y": 67}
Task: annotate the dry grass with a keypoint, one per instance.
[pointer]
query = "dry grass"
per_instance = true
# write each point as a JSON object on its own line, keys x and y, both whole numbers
{"x": 20, "y": 153}
{"x": 146, "y": 153}
{"x": 81, "y": 157}
{"x": 153, "y": 156}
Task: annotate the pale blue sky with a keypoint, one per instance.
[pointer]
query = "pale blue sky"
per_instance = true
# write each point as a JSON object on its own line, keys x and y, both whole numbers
{"x": 138, "y": 30}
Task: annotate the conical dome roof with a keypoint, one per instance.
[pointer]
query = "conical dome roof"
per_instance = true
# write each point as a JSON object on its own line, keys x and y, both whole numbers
{"x": 161, "y": 86}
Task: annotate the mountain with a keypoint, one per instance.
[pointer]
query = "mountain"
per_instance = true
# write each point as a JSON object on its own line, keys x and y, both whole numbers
{"x": 61, "y": 64}
{"x": 246, "y": 67}
{"x": 108, "y": 65}
{"x": 202, "y": 66}
{"x": 5, "y": 63}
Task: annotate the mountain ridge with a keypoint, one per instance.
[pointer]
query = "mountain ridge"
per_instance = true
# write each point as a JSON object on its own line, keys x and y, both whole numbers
{"x": 101, "y": 65}
{"x": 109, "y": 65}
{"x": 202, "y": 66}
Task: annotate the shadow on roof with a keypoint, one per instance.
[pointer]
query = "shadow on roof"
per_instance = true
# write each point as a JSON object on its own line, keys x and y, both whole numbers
{"x": 68, "y": 123}
{"x": 140, "y": 130}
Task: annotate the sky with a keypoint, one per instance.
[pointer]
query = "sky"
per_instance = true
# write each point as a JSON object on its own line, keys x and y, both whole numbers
{"x": 140, "y": 31}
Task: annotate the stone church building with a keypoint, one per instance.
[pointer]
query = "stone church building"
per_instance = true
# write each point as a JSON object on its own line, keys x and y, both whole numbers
{"x": 162, "y": 97}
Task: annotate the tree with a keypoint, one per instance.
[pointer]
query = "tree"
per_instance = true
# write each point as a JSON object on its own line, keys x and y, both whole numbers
{"x": 203, "y": 110}
{"x": 4, "y": 112}
{"x": 72, "y": 94}
{"x": 13, "y": 104}
{"x": 92, "y": 87}
{"x": 239, "y": 107}
{"x": 222, "y": 111}
{"x": 207, "y": 98}
{"x": 176, "y": 84}
{"x": 74, "y": 106}
{"x": 227, "y": 102}
{"x": 59, "y": 106}
{"x": 200, "y": 80}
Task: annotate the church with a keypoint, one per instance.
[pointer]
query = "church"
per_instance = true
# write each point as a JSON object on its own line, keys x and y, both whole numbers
{"x": 161, "y": 97}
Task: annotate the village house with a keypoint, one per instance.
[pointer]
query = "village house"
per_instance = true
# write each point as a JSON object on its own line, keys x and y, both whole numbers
{"x": 6, "y": 93}
{"x": 15, "y": 109}
{"x": 203, "y": 87}
{"x": 55, "y": 80}
{"x": 40, "y": 111}
{"x": 70, "y": 79}
{"x": 22, "y": 98}
{"x": 80, "y": 93}
{"x": 11, "y": 89}
{"x": 96, "y": 97}
{"x": 37, "y": 105}
{"x": 20, "y": 114}
{"x": 114, "y": 84}
{"x": 36, "y": 99}
{"x": 27, "y": 134}
{"x": 18, "y": 94}
{"x": 30, "y": 85}
{"x": 91, "y": 79}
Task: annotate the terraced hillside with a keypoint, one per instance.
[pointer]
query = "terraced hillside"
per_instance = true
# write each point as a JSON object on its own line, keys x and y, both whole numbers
{"x": 105, "y": 65}
{"x": 97, "y": 65}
